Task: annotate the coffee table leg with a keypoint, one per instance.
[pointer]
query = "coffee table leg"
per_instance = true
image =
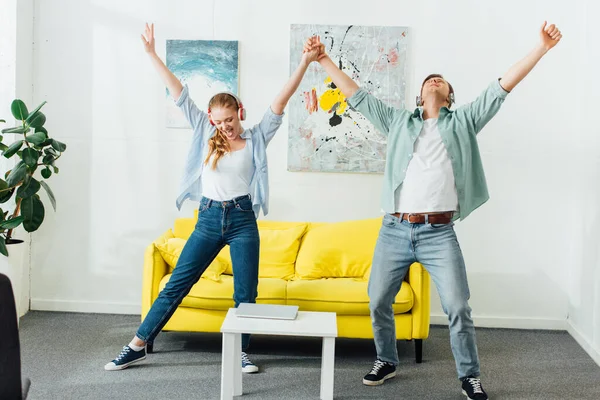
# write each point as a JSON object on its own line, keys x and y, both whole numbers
{"x": 327, "y": 368}
{"x": 227, "y": 366}
{"x": 237, "y": 365}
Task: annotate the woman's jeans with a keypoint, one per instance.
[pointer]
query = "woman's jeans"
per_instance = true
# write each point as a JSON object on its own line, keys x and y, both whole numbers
{"x": 230, "y": 223}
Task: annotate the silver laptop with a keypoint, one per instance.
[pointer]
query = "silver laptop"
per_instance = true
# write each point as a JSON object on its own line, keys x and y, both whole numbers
{"x": 268, "y": 311}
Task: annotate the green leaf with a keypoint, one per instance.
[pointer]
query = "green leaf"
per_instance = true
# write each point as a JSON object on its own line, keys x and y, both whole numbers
{"x": 32, "y": 209}
{"x": 17, "y": 174}
{"x": 48, "y": 159}
{"x": 37, "y": 138}
{"x": 5, "y": 195}
{"x": 19, "y": 110}
{"x": 35, "y": 111}
{"x": 3, "y": 191}
{"x": 42, "y": 129}
{"x": 55, "y": 169}
{"x": 12, "y": 223}
{"x": 13, "y": 148}
{"x": 2, "y": 217}
{"x": 50, "y": 194}
{"x": 3, "y": 249}
{"x": 3, "y": 147}
{"x": 50, "y": 150}
{"x": 46, "y": 173}
{"x": 58, "y": 146}
{"x": 36, "y": 120}
{"x": 1, "y": 120}
{"x": 30, "y": 156}
{"x": 29, "y": 188}
{"x": 16, "y": 129}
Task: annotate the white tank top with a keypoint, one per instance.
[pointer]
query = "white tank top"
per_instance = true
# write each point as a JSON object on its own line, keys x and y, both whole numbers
{"x": 231, "y": 178}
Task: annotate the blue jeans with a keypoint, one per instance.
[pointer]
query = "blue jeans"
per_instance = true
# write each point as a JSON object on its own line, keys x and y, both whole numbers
{"x": 230, "y": 223}
{"x": 436, "y": 247}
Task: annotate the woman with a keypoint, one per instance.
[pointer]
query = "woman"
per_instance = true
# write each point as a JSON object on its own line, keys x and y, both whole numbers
{"x": 226, "y": 171}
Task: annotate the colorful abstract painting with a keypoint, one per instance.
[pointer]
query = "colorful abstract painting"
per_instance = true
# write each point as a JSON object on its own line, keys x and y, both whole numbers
{"x": 324, "y": 133}
{"x": 206, "y": 66}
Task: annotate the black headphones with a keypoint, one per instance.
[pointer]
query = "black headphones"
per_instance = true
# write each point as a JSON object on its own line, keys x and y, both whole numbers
{"x": 451, "y": 100}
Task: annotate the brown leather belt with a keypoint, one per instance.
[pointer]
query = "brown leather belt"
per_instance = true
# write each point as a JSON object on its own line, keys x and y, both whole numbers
{"x": 443, "y": 218}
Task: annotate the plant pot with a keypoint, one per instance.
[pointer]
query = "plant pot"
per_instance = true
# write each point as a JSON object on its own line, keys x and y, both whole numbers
{"x": 16, "y": 267}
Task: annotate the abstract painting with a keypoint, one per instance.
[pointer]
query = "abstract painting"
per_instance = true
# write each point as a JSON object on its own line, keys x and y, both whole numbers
{"x": 324, "y": 133}
{"x": 206, "y": 66}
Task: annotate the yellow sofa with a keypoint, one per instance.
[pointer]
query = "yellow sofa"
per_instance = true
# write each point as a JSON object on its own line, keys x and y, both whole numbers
{"x": 317, "y": 266}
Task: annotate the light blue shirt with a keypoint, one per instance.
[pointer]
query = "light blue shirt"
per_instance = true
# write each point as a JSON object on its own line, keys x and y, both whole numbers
{"x": 258, "y": 137}
{"x": 458, "y": 130}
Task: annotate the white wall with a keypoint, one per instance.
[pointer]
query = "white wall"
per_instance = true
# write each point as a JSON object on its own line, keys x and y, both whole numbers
{"x": 584, "y": 282}
{"x": 119, "y": 176}
{"x": 16, "y": 55}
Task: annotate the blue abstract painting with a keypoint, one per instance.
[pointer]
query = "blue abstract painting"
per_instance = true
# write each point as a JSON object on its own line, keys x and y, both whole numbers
{"x": 206, "y": 66}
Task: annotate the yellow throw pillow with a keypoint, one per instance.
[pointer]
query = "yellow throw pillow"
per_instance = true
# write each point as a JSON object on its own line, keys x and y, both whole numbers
{"x": 171, "y": 249}
{"x": 278, "y": 251}
{"x": 338, "y": 250}
{"x": 164, "y": 237}
{"x": 279, "y": 243}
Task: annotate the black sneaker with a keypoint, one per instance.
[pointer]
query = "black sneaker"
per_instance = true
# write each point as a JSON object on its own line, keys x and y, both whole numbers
{"x": 471, "y": 387}
{"x": 126, "y": 357}
{"x": 380, "y": 373}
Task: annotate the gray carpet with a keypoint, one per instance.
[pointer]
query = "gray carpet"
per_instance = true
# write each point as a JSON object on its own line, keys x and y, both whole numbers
{"x": 64, "y": 355}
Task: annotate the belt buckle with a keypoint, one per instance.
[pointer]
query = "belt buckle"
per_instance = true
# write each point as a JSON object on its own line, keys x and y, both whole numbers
{"x": 408, "y": 218}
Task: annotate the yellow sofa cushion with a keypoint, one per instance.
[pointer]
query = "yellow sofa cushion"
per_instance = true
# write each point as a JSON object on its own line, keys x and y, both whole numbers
{"x": 170, "y": 250}
{"x": 344, "y": 296}
{"x": 338, "y": 250}
{"x": 279, "y": 243}
{"x": 211, "y": 295}
{"x": 184, "y": 227}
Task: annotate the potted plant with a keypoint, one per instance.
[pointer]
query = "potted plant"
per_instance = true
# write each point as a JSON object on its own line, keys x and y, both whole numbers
{"x": 35, "y": 154}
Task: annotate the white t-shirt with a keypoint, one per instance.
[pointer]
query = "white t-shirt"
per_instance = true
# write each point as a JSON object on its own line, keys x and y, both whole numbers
{"x": 232, "y": 176}
{"x": 429, "y": 182}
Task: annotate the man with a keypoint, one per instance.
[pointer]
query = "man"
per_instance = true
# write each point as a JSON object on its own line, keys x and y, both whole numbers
{"x": 433, "y": 176}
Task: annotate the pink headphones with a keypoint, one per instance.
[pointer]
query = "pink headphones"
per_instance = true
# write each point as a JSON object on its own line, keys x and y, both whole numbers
{"x": 241, "y": 109}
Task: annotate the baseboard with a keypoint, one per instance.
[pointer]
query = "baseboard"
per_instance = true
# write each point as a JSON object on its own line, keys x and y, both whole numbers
{"x": 508, "y": 322}
{"x": 584, "y": 342}
{"x": 436, "y": 319}
{"x": 95, "y": 307}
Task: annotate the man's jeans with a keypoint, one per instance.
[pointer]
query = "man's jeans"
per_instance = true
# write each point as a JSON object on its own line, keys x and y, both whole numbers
{"x": 230, "y": 223}
{"x": 436, "y": 247}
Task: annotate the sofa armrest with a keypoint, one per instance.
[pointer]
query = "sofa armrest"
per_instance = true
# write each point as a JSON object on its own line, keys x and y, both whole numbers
{"x": 420, "y": 282}
{"x": 155, "y": 268}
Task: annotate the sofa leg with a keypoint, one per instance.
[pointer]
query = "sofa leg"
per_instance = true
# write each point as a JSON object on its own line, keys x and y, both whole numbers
{"x": 149, "y": 348}
{"x": 419, "y": 350}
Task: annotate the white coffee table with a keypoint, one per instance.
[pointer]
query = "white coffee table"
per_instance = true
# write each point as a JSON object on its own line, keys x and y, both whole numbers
{"x": 307, "y": 323}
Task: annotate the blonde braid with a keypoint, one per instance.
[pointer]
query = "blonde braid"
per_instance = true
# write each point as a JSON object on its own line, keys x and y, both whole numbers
{"x": 218, "y": 145}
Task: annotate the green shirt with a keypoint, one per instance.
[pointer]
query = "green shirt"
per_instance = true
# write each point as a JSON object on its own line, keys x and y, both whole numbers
{"x": 458, "y": 130}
